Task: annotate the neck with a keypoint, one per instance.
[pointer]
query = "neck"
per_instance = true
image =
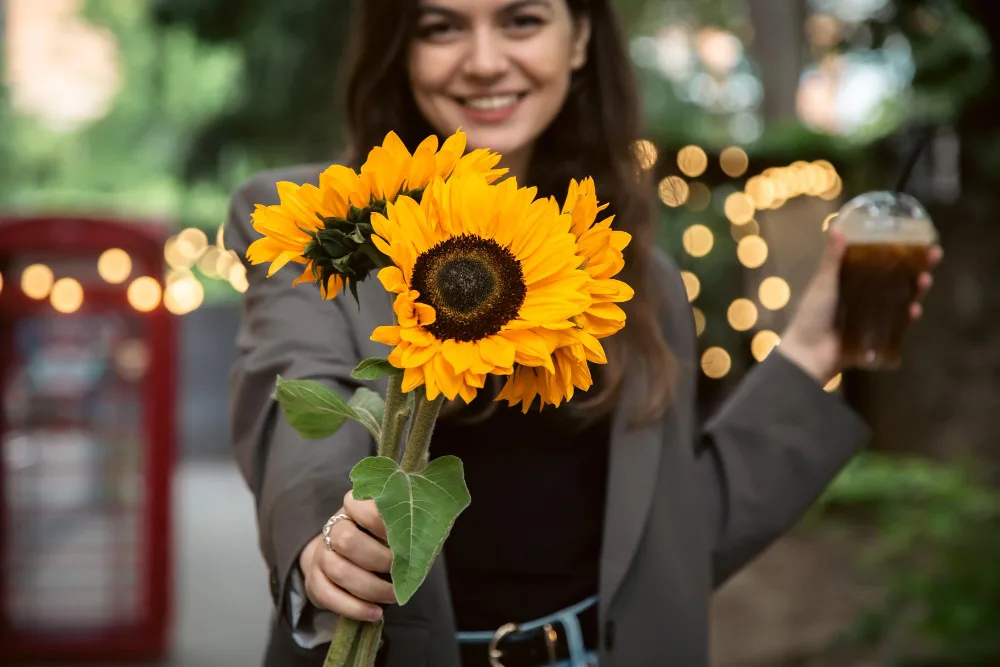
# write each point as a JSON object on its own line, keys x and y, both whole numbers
{"x": 517, "y": 164}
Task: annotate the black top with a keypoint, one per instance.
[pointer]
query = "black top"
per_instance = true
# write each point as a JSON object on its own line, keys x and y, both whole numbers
{"x": 529, "y": 544}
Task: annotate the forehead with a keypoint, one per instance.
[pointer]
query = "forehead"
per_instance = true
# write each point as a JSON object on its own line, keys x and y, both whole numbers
{"x": 484, "y": 6}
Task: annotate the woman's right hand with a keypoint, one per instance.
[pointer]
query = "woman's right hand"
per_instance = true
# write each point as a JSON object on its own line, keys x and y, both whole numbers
{"x": 343, "y": 580}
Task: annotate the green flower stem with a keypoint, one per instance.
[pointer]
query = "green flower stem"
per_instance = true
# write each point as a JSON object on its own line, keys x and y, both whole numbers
{"x": 394, "y": 421}
{"x": 419, "y": 440}
{"x": 344, "y": 638}
{"x": 371, "y": 638}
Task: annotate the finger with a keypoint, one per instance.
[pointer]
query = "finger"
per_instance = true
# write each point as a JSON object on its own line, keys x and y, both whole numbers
{"x": 360, "y": 583}
{"x": 916, "y": 311}
{"x": 326, "y": 595}
{"x": 924, "y": 283}
{"x": 934, "y": 256}
{"x": 829, "y": 266}
{"x": 365, "y": 513}
{"x": 360, "y": 548}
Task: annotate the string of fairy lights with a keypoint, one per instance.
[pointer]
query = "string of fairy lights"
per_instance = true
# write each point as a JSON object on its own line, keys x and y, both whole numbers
{"x": 769, "y": 190}
{"x": 180, "y": 291}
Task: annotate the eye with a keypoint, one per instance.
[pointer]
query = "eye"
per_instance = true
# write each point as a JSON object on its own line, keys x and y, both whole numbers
{"x": 525, "y": 23}
{"x": 435, "y": 30}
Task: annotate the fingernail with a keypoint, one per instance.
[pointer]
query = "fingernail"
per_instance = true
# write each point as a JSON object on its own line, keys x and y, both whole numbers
{"x": 375, "y": 613}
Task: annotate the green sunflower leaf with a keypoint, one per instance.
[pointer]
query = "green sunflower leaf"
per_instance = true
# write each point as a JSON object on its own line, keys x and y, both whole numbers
{"x": 374, "y": 368}
{"x": 369, "y": 409}
{"x": 315, "y": 411}
{"x": 419, "y": 510}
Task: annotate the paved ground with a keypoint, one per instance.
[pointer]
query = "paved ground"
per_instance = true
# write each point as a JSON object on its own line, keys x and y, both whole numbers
{"x": 220, "y": 586}
{"x": 222, "y": 603}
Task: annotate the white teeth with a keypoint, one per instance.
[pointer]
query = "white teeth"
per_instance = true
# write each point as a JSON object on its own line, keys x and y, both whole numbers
{"x": 491, "y": 103}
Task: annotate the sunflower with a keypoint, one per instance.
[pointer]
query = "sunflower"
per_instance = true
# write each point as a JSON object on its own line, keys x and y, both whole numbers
{"x": 290, "y": 226}
{"x": 600, "y": 251}
{"x": 485, "y": 277}
{"x": 328, "y": 228}
{"x": 391, "y": 170}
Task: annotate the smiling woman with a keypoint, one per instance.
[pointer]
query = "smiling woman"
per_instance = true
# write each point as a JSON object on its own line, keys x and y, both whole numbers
{"x": 599, "y": 528}
{"x": 500, "y": 71}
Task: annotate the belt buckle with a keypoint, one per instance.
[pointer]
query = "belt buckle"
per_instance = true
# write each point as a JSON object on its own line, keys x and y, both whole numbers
{"x": 495, "y": 653}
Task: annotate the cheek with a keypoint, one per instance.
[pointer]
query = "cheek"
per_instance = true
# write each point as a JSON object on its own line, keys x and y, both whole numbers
{"x": 547, "y": 65}
{"x": 428, "y": 70}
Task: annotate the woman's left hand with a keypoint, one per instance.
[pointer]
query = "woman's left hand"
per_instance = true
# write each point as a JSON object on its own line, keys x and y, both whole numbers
{"x": 811, "y": 339}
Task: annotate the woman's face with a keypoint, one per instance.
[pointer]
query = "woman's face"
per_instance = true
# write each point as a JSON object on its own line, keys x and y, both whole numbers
{"x": 499, "y": 69}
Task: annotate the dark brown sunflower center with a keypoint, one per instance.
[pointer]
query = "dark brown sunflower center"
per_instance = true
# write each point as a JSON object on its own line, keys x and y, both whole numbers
{"x": 474, "y": 284}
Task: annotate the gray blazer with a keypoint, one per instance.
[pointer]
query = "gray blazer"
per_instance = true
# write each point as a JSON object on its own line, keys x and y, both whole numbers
{"x": 686, "y": 506}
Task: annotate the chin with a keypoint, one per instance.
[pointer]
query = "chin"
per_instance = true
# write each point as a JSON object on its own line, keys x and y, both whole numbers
{"x": 501, "y": 140}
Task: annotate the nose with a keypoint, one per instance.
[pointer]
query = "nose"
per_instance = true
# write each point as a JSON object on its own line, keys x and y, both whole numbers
{"x": 487, "y": 58}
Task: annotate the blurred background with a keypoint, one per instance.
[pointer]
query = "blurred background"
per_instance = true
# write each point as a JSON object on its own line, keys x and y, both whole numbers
{"x": 124, "y": 126}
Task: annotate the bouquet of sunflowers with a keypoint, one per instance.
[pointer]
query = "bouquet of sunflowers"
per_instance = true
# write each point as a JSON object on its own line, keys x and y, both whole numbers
{"x": 488, "y": 279}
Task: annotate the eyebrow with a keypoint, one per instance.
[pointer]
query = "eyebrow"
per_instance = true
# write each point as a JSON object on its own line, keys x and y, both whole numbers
{"x": 430, "y": 8}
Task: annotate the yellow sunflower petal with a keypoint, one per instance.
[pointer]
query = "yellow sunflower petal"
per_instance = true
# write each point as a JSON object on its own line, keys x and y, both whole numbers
{"x": 412, "y": 378}
{"x": 333, "y": 287}
{"x": 392, "y": 280}
{"x": 390, "y": 335}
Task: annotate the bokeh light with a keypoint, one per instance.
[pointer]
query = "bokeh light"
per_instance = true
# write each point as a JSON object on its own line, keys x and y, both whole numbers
{"x": 699, "y": 320}
{"x": 208, "y": 264}
{"x": 761, "y": 191}
{"x": 834, "y": 191}
{"x": 184, "y": 295}
{"x": 645, "y": 153}
{"x": 238, "y": 278}
{"x": 67, "y": 295}
{"x": 715, "y": 362}
{"x": 114, "y": 266}
{"x": 144, "y": 294}
{"x": 739, "y": 232}
{"x": 692, "y": 161}
{"x": 691, "y": 284}
{"x": 699, "y": 197}
{"x": 225, "y": 262}
{"x": 739, "y": 208}
{"x": 192, "y": 242}
{"x": 673, "y": 191}
{"x": 742, "y": 314}
{"x": 752, "y": 251}
{"x": 734, "y": 161}
{"x": 698, "y": 240}
{"x": 762, "y": 344}
{"x": 36, "y": 281}
{"x": 177, "y": 255}
{"x": 774, "y": 293}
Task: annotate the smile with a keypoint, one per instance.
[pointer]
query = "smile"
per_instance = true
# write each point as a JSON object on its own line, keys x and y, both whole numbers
{"x": 491, "y": 102}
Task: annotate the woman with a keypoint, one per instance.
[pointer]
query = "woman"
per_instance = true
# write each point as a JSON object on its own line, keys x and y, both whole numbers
{"x": 621, "y": 501}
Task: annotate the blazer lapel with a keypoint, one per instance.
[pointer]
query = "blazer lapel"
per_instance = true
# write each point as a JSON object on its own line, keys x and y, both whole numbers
{"x": 633, "y": 464}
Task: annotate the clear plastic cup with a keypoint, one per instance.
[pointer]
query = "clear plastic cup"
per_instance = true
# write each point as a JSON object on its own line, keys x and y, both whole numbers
{"x": 888, "y": 237}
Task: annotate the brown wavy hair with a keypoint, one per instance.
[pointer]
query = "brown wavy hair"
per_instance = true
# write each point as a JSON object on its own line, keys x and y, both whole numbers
{"x": 593, "y": 135}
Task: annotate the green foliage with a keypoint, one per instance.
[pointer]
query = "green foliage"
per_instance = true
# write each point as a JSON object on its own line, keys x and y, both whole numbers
{"x": 939, "y": 550}
{"x": 374, "y": 368}
{"x": 316, "y": 411}
{"x": 288, "y": 109}
{"x": 419, "y": 510}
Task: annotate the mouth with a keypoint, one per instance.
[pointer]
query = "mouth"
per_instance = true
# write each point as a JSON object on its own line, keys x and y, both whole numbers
{"x": 491, "y": 102}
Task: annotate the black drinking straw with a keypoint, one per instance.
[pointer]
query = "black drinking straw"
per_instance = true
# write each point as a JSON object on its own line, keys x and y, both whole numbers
{"x": 904, "y": 177}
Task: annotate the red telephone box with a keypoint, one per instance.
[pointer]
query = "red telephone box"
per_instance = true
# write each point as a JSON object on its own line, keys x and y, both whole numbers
{"x": 87, "y": 385}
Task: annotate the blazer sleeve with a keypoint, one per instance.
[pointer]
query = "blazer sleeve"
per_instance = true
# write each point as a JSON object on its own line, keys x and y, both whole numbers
{"x": 290, "y": 332}
{"x": 769, "y": 451}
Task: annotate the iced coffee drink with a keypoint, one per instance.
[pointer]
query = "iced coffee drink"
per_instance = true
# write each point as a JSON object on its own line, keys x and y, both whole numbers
{"x": 888, "y": 238}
